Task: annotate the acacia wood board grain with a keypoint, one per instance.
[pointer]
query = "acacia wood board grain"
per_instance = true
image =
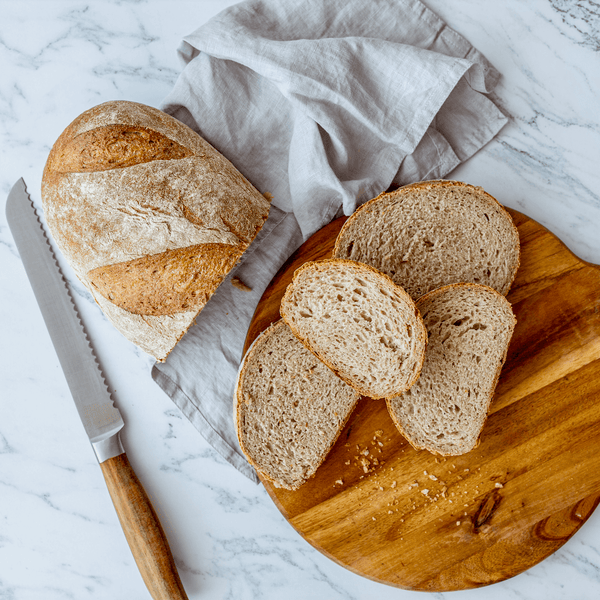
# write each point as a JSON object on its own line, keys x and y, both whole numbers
{"x": 520, "y": 495}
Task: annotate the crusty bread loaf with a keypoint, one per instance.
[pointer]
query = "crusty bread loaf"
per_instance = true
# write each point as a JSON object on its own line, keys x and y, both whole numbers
{"x": 429, "y": 234}
{"x": 359, "y": 323}
{"x": 289, "y": 408}
{"x": 149, "y": 215}
{"x": 469, "y": 328}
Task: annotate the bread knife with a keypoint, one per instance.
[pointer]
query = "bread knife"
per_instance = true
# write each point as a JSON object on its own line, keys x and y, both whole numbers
{"x": 101, "y": 419}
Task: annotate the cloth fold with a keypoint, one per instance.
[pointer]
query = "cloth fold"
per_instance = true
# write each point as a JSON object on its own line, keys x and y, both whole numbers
{"x": 323, "y": 105}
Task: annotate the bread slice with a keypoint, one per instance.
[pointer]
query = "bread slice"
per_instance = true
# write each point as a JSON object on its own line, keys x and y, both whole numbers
{"x": 434, "y": 233}
{"x": 469, "y": 328}
{"x": 359, "y": 323}
{"x": 289, "y": 408}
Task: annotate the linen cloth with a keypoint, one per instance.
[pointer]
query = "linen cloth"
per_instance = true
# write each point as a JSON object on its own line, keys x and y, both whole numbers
{"x": 323, "y": 104}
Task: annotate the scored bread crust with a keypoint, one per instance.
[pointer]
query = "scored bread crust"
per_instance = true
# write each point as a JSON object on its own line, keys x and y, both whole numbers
{"x": 237, "y": 401}
{"x": 362, "y": 211}
{"x": 495, "y": 380}
{"x": 421, "y": 333}
{"x": 126, "y": 182}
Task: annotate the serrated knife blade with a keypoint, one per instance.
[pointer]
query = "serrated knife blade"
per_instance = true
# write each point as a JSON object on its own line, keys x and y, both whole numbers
{"x": 101, "y": 419}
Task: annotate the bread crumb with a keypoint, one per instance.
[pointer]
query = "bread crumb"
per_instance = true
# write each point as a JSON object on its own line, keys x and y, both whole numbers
{"x": 394, "y": 484}
{"x": 425, "y": 492}
{"x": 457, "y": 523}
{"x": 379, "y": 432}
{"x": 240, "y": 285}
{"x": 433, "y": 478}
{"x": 499, "y": 485}
{"x": 390, "y": 512}
{"x": 339, "y": 481}
{"x": 425, "y": 473}
{"x": 374, "y": 519}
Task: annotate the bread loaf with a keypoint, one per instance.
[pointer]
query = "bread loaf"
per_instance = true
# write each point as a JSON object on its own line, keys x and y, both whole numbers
{"x": 149, "y": 215}
{"x": 359, "y": 323}
{"x": 429, "y": 234}
{"x": 469, "y": 328}
{"x": 289, "y": 408}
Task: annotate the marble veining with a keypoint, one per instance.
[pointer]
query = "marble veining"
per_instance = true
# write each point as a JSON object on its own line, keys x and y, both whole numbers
{"x": 59, "y": 535}
{"x": 582, "y": 20}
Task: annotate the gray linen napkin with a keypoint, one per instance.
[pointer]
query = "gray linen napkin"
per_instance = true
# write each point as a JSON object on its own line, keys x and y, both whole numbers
{"x": 323, "y": 104}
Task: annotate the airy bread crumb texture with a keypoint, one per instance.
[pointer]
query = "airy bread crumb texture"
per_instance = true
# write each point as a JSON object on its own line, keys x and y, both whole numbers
{"x": 357, "y": 321}
{"x": 431, "y": 234}
{"x": 469, "y": 328}
{"x": 290, "y": 408}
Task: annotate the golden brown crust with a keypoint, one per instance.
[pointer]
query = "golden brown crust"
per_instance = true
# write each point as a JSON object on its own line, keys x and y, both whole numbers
{"x": 113, "y": 147}
{"x": 422, "y": 333}
{"x": 429, "y": 185}
{"x": 166, "y": 283}
{"x": 126, "y": 181}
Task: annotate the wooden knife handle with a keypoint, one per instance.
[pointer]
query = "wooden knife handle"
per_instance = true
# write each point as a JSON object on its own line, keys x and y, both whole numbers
{"x": 143, "y": 530}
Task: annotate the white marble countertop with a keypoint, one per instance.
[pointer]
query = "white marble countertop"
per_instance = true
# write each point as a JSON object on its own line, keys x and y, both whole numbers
{"x": 59, "y": 534}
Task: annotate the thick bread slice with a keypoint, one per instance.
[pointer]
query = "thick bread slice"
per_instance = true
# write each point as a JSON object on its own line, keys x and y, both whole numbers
{"x": 359, "y": 323}
{"x": 469, "y": 328}
{"x": 434, "y": 233}
{"x": 289, "y": 408}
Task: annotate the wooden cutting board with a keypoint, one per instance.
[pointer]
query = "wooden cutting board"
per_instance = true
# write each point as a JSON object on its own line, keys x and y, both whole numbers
{"x": 500, "y": 509}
